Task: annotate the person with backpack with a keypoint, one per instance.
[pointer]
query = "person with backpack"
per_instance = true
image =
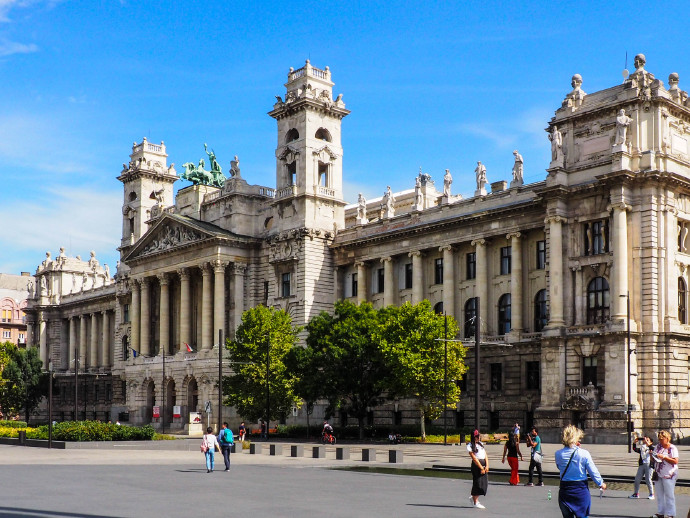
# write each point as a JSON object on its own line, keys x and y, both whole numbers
{"x": 226, "y": 440}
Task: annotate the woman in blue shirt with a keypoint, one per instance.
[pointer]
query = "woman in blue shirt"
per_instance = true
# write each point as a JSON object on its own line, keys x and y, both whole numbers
{"x": 574, "y": 464}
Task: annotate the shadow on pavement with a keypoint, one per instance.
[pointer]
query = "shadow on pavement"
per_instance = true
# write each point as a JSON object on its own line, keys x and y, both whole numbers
{"x": 9, "y": 512}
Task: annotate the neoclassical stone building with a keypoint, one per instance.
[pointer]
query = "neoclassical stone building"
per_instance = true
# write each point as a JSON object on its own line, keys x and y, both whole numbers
{"x": 551, "y": 266}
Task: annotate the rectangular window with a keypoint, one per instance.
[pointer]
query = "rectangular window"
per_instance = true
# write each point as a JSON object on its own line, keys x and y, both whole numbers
{"x": 596, "y": 237}
{"x": 408, "y": 276}
{"x": 532, "y": 375}
{"x": 496, "y": 376}
{"x": 589, "y": 370}
{"x": 6, "y": 334}
{"x": 354, "y": 284}
{"x": 292, "y": 173}
{"x": 471, "y": 261}
{"x": 438, "y": 271}
{"x": 541, "y": 255}
{"x": 125, "y": 312}
{"x": 380, "y": 280}
{"x": 285, "y": 285}
{"x": 505, "y": 260}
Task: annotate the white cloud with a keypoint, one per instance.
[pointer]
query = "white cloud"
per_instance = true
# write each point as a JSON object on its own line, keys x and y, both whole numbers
{"x": 8, "y": 48}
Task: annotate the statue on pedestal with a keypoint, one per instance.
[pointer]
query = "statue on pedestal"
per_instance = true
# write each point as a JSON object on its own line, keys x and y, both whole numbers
{"x": 361, "y": 210}
{"x": 447, "y": 180}
{"x": 622, "y": 123}
{"x": 418, "y": 198}
{"x": 517, "y": 169}
{"x": 556, "y": 138}
{"x": 388, "y": 202}
{"x": 480, "y": 173}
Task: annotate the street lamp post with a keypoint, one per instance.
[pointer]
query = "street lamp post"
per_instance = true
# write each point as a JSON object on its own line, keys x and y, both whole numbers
{"x": 630, "y": 351}
{"x": 220, "y": 378}
{"x": 477, "y": 405}
{"x": 163, "y": 346}
{"x": 50, "y": 403}
{"x": 445, "y": 381}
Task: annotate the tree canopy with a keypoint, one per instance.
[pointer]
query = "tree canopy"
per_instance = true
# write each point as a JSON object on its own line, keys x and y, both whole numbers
{"x": 415, "y": 351}
{"x": 25, "y": 382}
{"x": 262, "y": 330}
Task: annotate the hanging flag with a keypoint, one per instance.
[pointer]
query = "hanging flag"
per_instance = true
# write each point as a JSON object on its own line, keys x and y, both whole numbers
{"x": 134, "y": 353}
{"x": 189, "y": 348}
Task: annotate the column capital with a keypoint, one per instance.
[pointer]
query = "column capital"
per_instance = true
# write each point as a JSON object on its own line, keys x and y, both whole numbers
{"x": 621, "y": 205}
{"x": 511, "y": 235}
{"x": 360, "y": 264}
{"x": 104, "y": 312}
{"x": 386, "y": 259}
{"x": 144, "y": 282}
{"x": 205, "y": 269}
{"x": 554, "y": 219}
{"x": 414, "y": 253}
{"x": 183, "y": 273}
{"x": 239, "y": 268}
{"x": 163, "y": 279}
{"x": 219, "y": 266}
{"x": 478, "y": 242}
{"x": 445, "y": 248}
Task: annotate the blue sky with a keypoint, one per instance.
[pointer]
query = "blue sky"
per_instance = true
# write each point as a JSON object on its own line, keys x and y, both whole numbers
{"x": 434, "y": 85}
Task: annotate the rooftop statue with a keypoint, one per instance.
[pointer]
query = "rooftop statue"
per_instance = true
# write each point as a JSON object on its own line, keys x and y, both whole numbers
{"x": 447, "y": 180}
{"x": 200, "y": 176}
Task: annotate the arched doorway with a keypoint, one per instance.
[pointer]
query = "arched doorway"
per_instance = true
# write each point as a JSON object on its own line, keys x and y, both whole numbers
{"x": 170, "y": 398}
{"x": 192, "y": 396}
{"x": 150, "y": 401}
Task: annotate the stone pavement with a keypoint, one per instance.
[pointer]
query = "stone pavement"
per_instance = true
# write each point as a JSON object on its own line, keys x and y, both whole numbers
{"x": 122, "y": 482}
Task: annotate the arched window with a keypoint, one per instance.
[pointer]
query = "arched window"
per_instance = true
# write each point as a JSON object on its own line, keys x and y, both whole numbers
{"x": 132, "y": 196}
{"x": 540, "y": 317}
{"x": 682, "y": 298}
{"x": 323, "y": 134}
{"x": 598, "y": 301}
{"x": 504, "y": 314}
{"x": 291, "y": 135}
{"x": 438, "y": 308}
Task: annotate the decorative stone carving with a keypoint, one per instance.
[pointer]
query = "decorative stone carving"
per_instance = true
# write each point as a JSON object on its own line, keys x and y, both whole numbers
{"x": 575, "y": 98}
{"x": 447, "y": 181}
{"x": 517, "y": 170}
{"x": 235, "y": 168}
{"x": 622, "y": 124}
{"x": 480, "y": 174}
{"x": 556, "y": 138}
{"x": 361, "y": 210}
{"x": 388, "y": 203}
{"x": 418, "y": 198}
{"x": 171, "y": 236}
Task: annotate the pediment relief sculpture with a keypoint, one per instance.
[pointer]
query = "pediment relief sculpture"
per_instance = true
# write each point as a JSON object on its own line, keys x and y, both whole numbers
{"x": 287, "y": 154}
{"x": 326, "y": 154}
{"x": 170, "y": 236}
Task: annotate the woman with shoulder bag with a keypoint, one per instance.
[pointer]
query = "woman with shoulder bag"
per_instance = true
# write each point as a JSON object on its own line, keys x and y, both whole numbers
{"x": 665, "y": 455}
{"x": 536, "y": 457}
{"x": 479, "y": 468}
{"x": 208, "y": 447}
{"x": 574, "y": 464}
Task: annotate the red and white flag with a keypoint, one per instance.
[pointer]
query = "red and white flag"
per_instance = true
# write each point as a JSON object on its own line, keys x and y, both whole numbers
{"x": 189, "y": 347}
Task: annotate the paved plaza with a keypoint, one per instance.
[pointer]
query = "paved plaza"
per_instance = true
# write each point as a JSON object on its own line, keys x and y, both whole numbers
{"x": 121, "y": 482}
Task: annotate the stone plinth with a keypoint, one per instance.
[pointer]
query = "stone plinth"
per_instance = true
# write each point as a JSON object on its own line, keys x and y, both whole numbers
{"x": 255, "y": 449}
{"x": 296, "y": 450}
{"x": 318, "y": 452}
{"x": 368, "y": 454}
{"x": 395, "y": 456}
{"x": 195, "y": 429}
{"x": 276, "y": 449}
{"x": 342, "y": 453}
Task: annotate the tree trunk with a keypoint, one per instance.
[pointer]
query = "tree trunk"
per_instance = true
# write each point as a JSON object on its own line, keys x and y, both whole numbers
{"x": 423, "y": 424}
{"x": 360, "y": 422}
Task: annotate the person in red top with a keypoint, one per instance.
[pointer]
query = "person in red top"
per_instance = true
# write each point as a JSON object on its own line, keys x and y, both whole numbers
{"x": 512, "y": 449}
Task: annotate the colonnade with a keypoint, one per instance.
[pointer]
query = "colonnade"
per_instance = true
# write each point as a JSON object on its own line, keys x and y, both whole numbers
{"x": 94, "y": 348}
{"x": 210, "y": 306}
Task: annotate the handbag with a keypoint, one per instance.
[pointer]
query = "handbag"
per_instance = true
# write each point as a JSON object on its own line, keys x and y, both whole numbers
{"x": 538, "y": 457}
{"x": 204, "y": 445}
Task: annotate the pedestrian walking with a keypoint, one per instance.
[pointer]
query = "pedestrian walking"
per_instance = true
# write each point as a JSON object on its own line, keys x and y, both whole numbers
{"x": 643, "y": 446}
{"x": 225, "y": 439}
{"x": 512, "y": 450}
{"x": 665, "y": 456}
{"x": 536, "y": 456}
{"x": 574, "y": 464}
{"x": 242, "y": 431}
{"x": 479, "y": 468}
{"x": 208, "y": 445}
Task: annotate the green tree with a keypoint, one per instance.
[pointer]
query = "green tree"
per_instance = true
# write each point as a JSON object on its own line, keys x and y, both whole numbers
{"x": 415, "y": 351}
{"x": 25, "y": 382}
{"x": 309, "y": 377}
{"x": 347, "y": 361}
{"x": 6, "y": 349}
{"x": 262, "y": 329}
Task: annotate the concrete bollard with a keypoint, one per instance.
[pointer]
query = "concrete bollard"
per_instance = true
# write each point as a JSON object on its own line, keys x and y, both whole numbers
{"x": 368, "y": 454}
{"x": 276, "y": 449}
{"x": 395, "y": 456}
{"x": 232, "y": 448}
{"x": 342, "y": 453}
{"x": 296, "y": 450}
{"x": 318, "y": 452}
{"x": 21, "y": 435}
{"x": 255, "y": 449}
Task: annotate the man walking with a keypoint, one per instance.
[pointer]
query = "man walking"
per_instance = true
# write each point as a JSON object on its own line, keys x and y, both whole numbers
{"x": 225, "y": 439}
{"x": 534, "y": 442}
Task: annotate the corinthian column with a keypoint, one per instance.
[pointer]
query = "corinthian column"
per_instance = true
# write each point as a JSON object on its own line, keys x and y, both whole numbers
{"x": 482, "y": 281}
{"x": 93, "y": 346}
{"x": 417, "y": 276}
{"x": 135, "y": 313}
{"x": 238, "y": 294}
{"x": 361, "y": 282}
{"x": 206, "y": 308}
{"x": 82, "y": 341}
{"x": 448, "y": 280}
{"x": 619, "y": 289}
{"x": 43, "y": 341}
{"x": 388, "y": 284}
{"x": 516, "y": 323}
{"x": 185, "y": 322}
{"x": 164, "y": 320}
{"x": 72, "y": 342}
{"x": 105, "y": 342}
{"x": 145, "y": 318}
{"x": 555, "y": 271}
{"x": 219, "y": 297}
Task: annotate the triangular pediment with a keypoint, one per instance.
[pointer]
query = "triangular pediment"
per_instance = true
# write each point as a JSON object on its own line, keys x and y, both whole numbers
{"x": 288, "y": 154}
{"x": 326, "y": 154}
{"x": 167, "y": 234}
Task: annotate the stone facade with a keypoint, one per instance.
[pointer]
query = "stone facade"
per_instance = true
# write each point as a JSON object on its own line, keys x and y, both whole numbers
{"x": 550, "y": 266}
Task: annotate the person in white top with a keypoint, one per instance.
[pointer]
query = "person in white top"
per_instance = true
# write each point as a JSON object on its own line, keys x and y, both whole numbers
{"x": 480, "y": 469}
{"x": 208, "y": 446}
